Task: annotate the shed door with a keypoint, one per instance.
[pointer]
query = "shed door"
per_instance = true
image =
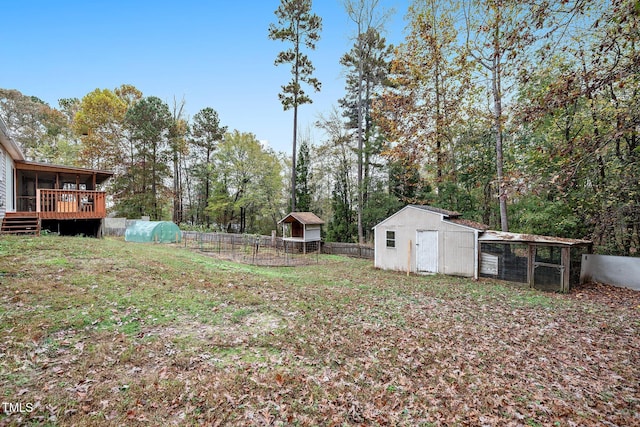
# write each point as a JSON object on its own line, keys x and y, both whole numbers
{"x": 427, "y": 252}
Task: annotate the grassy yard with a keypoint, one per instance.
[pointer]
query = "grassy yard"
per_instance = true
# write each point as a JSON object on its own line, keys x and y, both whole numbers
{"x": 103, "y": 332}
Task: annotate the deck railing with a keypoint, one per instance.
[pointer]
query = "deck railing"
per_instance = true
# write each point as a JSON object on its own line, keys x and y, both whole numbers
{"x": 70, "y": 204}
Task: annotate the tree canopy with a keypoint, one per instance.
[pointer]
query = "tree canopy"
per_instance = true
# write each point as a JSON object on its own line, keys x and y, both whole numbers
{"x": 521, "y": 115}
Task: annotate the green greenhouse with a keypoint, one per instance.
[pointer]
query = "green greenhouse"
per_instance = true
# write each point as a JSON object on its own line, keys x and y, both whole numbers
{"x": 153, "y": 231}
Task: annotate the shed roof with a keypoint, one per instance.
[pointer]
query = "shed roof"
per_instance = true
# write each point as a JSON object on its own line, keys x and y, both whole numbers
{"x": 507, "y": 237}
{"x": 469, "y": 223}
{"x": 306, "y": 218}
{"x": 446, "y": 215}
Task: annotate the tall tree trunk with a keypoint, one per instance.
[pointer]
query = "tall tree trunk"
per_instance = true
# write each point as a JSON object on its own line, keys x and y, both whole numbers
{"x": 207, "y": 189}
{"x": 187, "y": 183}
{"x": 144, "y": 205}
{"x": 438, "y": 127}
{"x": 360, "y": 189}
{"x": 293, "y": 159}
{"x": 177, "y": 189}
{"x": 295, "y": 126}
{"x": 154, "y": 193}
{"x": 496, "y": 71}
{"x": 367, "y": 149}
{"x": 502, "y": 193}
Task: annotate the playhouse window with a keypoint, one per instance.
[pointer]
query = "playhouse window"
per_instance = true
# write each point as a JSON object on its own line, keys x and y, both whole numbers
{"x": 391, "y": 239}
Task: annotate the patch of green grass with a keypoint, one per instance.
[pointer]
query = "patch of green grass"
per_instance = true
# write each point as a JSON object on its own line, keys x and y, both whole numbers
{"x": 531, "y": 298}
{"x": 212, "y": 340}
{"x": 239, "y": 315}
{"x": 62, "y": 262}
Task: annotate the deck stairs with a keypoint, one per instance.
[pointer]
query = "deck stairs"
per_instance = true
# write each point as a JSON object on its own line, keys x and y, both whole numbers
{"x": 20, "y": 223}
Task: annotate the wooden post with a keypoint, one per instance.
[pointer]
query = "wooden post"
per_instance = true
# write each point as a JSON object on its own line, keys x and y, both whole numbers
{"x": 14, "y": 190}
{"x": 531, "y": 258}
{"x": 409, "y": 258}
{"x": 566, "y": 269}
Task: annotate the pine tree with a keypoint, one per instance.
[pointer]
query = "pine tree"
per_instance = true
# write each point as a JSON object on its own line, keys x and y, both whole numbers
{"x": 303, "y": 178}
{"x": 299, "y": 27}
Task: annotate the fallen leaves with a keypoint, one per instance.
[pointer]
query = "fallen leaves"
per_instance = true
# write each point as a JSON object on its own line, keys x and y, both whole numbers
{"x": 348, "y": 345}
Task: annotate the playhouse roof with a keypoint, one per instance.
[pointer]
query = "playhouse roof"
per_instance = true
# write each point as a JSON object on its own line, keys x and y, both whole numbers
{"x": 305, "y": 218}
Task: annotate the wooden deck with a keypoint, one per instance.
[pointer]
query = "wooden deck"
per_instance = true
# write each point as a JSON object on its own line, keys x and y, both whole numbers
{"x": 70, "y": 204}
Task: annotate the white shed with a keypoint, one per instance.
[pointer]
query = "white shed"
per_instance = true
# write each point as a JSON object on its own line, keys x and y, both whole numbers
{"x": 424, "y": 239}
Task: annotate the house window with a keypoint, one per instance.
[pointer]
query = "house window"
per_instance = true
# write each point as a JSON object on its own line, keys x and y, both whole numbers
{"x": 391, "y": 239}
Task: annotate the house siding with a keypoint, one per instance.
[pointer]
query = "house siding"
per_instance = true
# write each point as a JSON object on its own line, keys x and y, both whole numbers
{"x": 9, "y": 193}
{"x": 3, "y": 181}
{"x": 7, "y": 190}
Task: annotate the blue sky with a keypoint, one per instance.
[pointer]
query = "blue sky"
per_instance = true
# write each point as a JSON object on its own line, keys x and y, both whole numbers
{"x": 211, "y": 53}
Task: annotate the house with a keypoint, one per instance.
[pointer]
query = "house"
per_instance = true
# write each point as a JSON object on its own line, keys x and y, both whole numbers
{"x": 302, "y": 229}
{"x": 36, "y": 195}
{"x": 425, "y": 239}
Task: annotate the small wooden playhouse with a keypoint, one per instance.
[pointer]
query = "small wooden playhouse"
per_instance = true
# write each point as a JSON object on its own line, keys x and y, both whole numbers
{"x": 302, "y": 231}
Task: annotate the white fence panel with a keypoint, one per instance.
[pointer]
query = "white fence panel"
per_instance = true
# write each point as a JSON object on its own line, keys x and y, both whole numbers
{"x": 612, "y": 270}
